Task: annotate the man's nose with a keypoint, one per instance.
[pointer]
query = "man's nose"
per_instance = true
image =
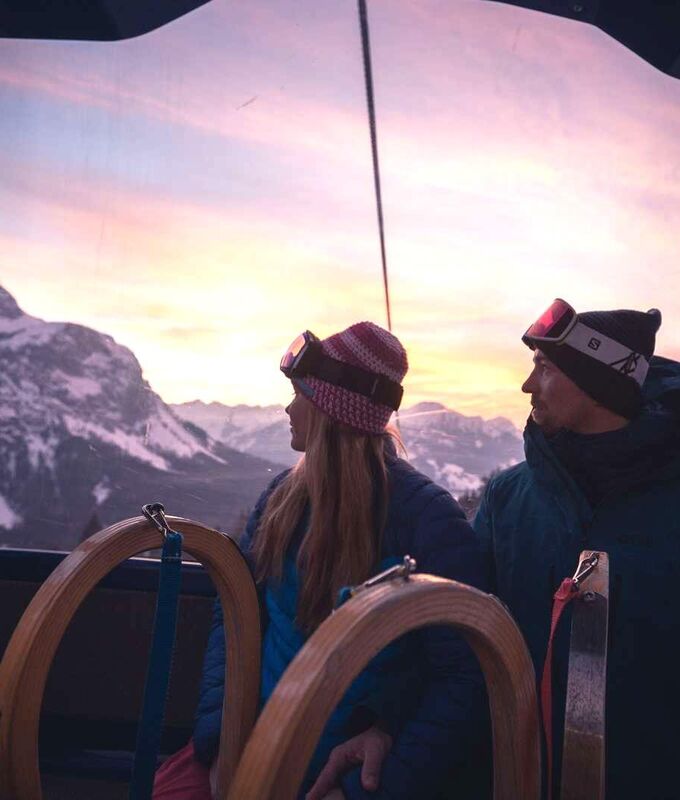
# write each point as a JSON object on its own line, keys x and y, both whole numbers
{"x": 527, "y": 386}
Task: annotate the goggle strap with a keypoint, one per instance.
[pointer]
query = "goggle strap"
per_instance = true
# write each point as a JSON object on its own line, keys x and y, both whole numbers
{"x": 379, "y": 388}
{"x": 608, "y": 351}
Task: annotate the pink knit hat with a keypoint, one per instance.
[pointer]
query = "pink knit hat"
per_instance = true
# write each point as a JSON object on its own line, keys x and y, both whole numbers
{"x": 372, "y": 348}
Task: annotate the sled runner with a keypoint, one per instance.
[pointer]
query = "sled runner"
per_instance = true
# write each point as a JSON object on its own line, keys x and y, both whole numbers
{"x": 583, "y": 755}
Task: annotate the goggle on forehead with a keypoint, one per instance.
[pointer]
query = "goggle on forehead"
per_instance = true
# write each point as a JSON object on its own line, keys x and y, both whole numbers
{"x": 553, "y": 325}
{"x": 560, "y": 325}
{"x": 305, "y": 357}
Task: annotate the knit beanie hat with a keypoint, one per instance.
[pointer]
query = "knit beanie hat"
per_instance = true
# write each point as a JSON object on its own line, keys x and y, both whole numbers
{"x": 372, "y": 348}
{"x": 616, "y": 385}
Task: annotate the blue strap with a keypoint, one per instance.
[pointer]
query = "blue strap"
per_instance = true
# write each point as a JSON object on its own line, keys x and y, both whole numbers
{"x": 158, "y": 670}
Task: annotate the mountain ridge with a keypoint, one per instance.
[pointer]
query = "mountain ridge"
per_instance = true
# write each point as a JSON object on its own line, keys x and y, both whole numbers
{"x": 86, "y": 440}
{"x": 453, "y": 449}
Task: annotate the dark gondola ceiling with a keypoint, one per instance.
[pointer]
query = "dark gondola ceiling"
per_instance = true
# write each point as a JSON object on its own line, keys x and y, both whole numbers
{"x": 651, "y": 28}
{"x": 94, "y": 20}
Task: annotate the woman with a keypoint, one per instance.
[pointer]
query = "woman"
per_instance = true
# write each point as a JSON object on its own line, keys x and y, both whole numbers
{"x": 349, "y": 508}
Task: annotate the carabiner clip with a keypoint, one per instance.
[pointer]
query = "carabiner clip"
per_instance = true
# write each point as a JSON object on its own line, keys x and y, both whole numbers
{"x": 403, "y": 570}
{"x": 585, "y": 567}
{"x": 155, "y": 513}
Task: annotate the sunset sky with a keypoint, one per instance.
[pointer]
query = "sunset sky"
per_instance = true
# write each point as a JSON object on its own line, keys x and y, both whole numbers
{"x": 204, "y": 193}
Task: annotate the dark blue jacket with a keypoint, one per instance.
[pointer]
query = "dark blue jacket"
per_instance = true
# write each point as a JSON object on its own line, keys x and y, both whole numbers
{"x": 436, "y": 717}
{"x": 618, "y": 492}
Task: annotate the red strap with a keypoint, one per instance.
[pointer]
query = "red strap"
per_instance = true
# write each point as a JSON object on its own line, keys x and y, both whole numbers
{"x": 562, "y": 597}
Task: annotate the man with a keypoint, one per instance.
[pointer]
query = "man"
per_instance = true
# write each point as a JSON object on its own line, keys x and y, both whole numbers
{"x": 602, "y": 472}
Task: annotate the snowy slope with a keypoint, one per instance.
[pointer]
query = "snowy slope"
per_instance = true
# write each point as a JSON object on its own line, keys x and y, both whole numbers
{"x": 455, "y": 450}
{"x": 83, "y": 435}
{"x": 259, "y": 430}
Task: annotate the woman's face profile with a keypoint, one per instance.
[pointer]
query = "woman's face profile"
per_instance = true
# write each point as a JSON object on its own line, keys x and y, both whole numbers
{"x": 299, "y": 411}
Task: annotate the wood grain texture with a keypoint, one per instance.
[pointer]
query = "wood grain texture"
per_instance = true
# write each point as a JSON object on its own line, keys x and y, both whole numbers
{"x": 583, "y": 754}
{"x": 278, "y": 752}
{"x": 27, "y": 659}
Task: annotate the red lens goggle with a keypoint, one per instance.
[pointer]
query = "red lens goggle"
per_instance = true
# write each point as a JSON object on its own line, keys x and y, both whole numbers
{"x": 553, "y": 325}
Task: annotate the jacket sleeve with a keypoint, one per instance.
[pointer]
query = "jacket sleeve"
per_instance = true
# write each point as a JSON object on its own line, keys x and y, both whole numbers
{"x": 208, "y": 718}
{"x": 445, "y": 722}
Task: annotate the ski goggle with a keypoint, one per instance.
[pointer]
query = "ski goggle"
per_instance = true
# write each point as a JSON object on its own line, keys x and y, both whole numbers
{"x": 553, "y": 325}
{"x": 560, "y": 325}
{"x": 303, "y": 351}
{"x": 305, "y": 357}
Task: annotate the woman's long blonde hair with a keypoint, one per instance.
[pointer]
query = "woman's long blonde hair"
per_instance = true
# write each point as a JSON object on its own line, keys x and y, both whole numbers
{"x": 342, "y": 478}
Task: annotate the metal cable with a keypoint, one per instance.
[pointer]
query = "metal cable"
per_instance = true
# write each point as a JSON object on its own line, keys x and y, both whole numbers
{"x": 368, "y": 75}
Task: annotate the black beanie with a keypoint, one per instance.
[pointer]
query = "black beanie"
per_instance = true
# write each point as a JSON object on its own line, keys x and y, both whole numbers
{"x": 606, "y": 384}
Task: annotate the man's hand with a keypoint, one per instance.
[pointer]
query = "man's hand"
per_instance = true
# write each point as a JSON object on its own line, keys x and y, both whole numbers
{"x": 368, "y": 748}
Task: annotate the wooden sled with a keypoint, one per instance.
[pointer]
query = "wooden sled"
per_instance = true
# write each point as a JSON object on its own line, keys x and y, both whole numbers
{"x": 27, "y": 659}
{"x": 276, "y": 757}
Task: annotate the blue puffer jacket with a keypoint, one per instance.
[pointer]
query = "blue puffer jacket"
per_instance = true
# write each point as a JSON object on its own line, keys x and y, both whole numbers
{"x": 436, "y": 718}
{"x": 618, "y": 492}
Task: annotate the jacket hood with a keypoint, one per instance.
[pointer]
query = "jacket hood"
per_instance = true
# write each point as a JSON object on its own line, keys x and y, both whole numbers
{"x": 662, "y": 386}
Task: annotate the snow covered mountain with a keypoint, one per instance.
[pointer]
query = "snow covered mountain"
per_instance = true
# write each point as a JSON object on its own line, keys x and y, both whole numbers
{"x": 453, "y": 449}
{"x": 259, "y": 430}
{"x": 85, "y": 441}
